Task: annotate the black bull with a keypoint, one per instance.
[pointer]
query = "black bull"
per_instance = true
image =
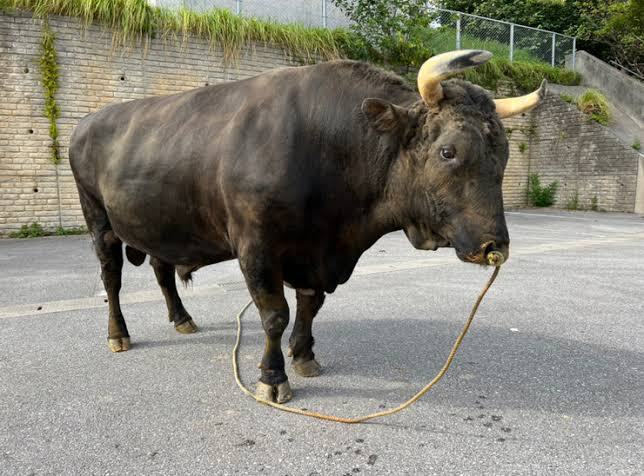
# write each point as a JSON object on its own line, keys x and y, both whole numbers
{"x": 295, "y": 173}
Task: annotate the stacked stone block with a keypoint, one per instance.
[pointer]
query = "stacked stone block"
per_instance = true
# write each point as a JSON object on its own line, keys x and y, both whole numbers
{"x": 560, "y": 143}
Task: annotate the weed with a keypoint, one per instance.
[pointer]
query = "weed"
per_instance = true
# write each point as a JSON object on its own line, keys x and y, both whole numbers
{"x": 29, "y": 231}
{"x": 540, "y": 196}
{"x": 573, "y": 202}
{"x": 523, "y": 147}
{"x": 594, "y": 103}
{"x": 636, "y": 145}
{"x": 567, "y": 97}
{"x": 594, "y": 204}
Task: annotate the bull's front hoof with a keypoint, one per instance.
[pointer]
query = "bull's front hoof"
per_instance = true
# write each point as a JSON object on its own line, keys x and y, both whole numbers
{"x": 119, "y": 345}
{"x": 280, "y": 393}
{"x": 188, "y": 327}
{"x": 307, "y": 368}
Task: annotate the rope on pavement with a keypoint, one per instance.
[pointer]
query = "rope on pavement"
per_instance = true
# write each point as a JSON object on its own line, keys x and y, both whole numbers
{"x": 492, "y": 258}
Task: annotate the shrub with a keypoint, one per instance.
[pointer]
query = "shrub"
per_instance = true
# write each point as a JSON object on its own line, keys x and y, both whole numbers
{"x": 594, "y": 103}
{"x": 28, "y": 231}
{"x": 540, "y": 196}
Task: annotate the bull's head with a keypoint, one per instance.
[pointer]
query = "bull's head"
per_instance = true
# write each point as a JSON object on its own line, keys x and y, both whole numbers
{"x": 453, "y": 155}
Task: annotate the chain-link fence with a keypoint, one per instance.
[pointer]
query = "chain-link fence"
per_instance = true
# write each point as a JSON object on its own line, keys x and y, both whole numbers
{"x": 449, "y": 30}
{"x": 454, "y": 30}
{"x": 316, "y": 13}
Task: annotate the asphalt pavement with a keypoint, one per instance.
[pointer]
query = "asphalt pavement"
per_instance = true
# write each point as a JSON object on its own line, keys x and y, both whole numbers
{"x": 548, "y": 381}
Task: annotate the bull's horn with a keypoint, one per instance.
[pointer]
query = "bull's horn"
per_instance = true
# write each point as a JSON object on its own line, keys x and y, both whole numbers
{"x": 512, "y": 106}
{"x": 440, "y": 67}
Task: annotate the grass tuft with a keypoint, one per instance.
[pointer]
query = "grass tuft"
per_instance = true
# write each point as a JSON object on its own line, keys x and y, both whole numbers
{"x": 594, "y": 103}
{"x": 138, "y": 21}
{"x": 526, "y": 76}
{"x": 29, "y": 231}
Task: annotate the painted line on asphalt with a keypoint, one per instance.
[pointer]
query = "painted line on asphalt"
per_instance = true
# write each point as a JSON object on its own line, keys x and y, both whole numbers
{"x": 98, "y": 301}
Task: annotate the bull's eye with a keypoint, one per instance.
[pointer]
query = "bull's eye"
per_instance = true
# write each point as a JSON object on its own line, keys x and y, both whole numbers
{"x": 448, "y": 152}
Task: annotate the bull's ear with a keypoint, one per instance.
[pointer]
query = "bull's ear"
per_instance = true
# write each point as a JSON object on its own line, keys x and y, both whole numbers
{"x": 384, "y": 116}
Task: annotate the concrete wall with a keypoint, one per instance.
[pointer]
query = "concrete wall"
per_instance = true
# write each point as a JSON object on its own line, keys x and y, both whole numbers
{"x": 622, "y": 90}
{"x": 586, "y": 158}
{"x": 91, "y": 75}
{"x": 32, "y": 189}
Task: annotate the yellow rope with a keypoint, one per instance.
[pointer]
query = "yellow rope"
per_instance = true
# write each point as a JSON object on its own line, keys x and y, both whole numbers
{"x": 371, "y": 416}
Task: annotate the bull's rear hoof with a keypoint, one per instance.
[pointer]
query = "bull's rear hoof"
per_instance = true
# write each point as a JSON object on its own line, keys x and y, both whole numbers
{"x": 188, "y": 327}
{"x": 280, "y": 393}
{"x": 119, "y": 345}
{"x": 307, "y": 368}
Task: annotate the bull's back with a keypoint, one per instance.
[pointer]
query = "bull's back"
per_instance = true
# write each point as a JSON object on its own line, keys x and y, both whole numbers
{"x": 166, "y": 169}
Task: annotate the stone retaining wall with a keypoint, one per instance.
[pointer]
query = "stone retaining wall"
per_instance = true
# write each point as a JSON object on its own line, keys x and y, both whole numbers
{"x": 555, "y": 141}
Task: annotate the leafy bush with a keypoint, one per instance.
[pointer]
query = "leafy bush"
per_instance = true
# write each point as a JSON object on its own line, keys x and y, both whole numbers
{"x": 594, "y": 103}
{"x": 540, "y": 196}
{"x": 29, "y": 231}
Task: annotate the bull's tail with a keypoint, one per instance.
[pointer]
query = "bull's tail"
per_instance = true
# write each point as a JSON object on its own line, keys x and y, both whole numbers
{"x": 134, "y": 256}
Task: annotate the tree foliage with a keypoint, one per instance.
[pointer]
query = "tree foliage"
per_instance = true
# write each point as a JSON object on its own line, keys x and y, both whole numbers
{"x": 391, "y": 32}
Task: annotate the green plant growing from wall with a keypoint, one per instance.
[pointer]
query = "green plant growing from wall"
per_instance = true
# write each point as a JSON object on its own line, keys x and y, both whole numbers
{"x": 29, "y": 231}
{"x": 541, "y": 196}
{"x": 134, "y": 21}
{"x": 594, "y": 103}
{"x": 523, "y": 147}
{"x": 594, "y": 204}
{"x": 636, "y": 145}
{"x": 49, "y": 73}
{"x": 573, "y": 202}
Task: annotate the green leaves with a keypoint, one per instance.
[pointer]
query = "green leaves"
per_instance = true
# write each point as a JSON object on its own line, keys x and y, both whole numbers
{"x": 49, "y": 73}
{"x": 541, "y": 196}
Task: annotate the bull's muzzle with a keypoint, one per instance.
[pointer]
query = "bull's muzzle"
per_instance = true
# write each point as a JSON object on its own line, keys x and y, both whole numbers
{"x": 494, "y": 254}
{"x": 490, "y": 253}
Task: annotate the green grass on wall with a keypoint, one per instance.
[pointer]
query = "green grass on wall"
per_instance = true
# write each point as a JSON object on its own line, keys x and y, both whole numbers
{"x": 136, "y": 20}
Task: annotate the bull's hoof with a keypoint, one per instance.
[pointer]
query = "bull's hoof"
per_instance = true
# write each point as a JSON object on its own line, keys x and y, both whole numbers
{"x": 119, "y": 345}
{"x": 188, "y": 327}
{"x": 280, "y": 393}
{"x": 307, "y": 368}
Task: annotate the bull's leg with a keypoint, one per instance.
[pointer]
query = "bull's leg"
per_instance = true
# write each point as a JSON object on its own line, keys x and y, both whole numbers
{"x": 301, "y": 340}
{"x": 264, "y": 281}
{"x": 164, "y": 272}
{"x": 109, "y": 250}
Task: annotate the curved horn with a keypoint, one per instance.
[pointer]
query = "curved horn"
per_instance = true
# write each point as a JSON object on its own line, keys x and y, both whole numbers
{"x": 440, "y": 67}
{"x": 512, "y": 106}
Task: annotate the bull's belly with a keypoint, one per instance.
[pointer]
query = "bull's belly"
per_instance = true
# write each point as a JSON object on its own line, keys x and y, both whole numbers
{"x": 314, "y": 271}
{"x": 173, "y": 238}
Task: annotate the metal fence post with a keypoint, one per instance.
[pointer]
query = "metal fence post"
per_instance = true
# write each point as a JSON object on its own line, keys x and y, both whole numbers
{"x": 574, "y": 51}
{"x": 552, "y": 61}
{"x": 458, "y": 32}
{"x": 511, "y": 42}
{"x": 238, "y": 9}
{"x": 324, "y": 14}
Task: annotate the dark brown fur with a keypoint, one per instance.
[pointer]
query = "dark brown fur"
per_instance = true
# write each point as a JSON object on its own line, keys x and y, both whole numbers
{"x": 295, "y": 173}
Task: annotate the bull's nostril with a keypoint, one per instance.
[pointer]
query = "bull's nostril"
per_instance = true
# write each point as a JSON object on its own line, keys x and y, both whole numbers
{"x": 489, "y": 247}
